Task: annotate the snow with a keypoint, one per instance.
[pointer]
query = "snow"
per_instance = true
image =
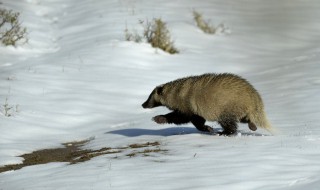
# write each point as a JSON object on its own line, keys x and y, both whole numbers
{"x": 78, "y": 79}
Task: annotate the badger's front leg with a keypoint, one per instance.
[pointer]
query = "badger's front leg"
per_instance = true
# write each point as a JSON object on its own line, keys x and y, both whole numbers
{"x": 199, "y": 123}
{"x": 179, "y": 118}
{"x": 172, "y": 117}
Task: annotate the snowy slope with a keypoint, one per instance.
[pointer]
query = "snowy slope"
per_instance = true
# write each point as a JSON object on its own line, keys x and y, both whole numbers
{"x": 79, "y": 79}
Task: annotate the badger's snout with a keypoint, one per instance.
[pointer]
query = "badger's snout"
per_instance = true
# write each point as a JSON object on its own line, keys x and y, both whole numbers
{"x": 145, "y": 104}
{"x": 150, "y": 103}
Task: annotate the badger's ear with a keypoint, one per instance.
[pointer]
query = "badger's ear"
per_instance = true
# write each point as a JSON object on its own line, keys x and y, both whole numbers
{"x": 159, "y": 90}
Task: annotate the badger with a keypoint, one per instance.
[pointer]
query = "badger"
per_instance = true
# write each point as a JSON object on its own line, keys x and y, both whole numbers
{"x": 225, "y": 98}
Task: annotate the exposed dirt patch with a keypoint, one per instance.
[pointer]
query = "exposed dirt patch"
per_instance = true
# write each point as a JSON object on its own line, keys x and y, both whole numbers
{"x": 144, "y": 145}
{"x": 72, "y": 153}
{"x": 145, "y": 152}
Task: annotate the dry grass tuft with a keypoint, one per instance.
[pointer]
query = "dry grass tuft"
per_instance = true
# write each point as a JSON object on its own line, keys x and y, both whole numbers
{"x": 202, "y": 24}
{"x": 156, "y": 33}
{"x": 11, "y": 31}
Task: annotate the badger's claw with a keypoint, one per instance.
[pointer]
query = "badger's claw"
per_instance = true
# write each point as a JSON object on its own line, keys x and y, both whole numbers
{"x": 160, "y": 119}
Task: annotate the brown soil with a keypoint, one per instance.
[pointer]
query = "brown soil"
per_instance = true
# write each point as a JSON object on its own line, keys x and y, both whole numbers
{"x": 72, "y": 153}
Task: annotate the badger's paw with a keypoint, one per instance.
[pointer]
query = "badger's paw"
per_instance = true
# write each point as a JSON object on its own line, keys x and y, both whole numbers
{"x": 209, "y": 129}
{"x": 228, "y": 133}
{"x": 252, "y": 126}
{"x": 160, "y": 119}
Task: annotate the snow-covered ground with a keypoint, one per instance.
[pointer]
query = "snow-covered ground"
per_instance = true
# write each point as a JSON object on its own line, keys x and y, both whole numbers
{"x": 78, "y": 79}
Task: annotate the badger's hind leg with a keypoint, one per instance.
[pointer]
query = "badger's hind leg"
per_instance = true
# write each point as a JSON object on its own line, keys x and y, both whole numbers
{"x": 251, "y": 125}
{"x": 229, "y": 124}
{"x": 199, "y": 123}
{"x": 172, "y": 117}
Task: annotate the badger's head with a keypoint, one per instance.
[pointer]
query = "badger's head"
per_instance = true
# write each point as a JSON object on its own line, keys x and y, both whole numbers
{"x": 154, "y": 99}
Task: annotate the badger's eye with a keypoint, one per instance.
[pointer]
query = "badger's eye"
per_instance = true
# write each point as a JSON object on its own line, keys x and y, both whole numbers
{"x": 159, "y": 90}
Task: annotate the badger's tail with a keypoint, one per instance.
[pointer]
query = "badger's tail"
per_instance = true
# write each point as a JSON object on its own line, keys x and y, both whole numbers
{"x": 261, "y": 120}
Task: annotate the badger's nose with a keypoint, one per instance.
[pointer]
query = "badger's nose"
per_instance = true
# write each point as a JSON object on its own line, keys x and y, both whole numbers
{"x": 144, "y": 105}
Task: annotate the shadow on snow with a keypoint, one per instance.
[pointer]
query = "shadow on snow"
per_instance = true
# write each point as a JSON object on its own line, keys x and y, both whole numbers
{"x": 135, "y": 132}
{"x": 171, "y": 131}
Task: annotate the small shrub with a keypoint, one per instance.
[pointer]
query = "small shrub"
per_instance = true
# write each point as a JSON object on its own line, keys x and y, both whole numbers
{"x": 10, "y": 28}
{"x": 132, "y": 36}
{"x": 202, "y": 24}
{"x": 156, "y": 33}
{"x": 9, "y": 110}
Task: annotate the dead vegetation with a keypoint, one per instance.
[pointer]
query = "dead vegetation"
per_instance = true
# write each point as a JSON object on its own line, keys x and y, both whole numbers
{"x": 204, "y": 25}
{"x": 144, "y": 145}
{"x": 9, "y": 110}
{"x": 73, "y": 154}
{"x": 155, "y": 33}
{"x": 145, "y": 152}
{"x": 11, "y": 31}
{"x": 207, "y": 27}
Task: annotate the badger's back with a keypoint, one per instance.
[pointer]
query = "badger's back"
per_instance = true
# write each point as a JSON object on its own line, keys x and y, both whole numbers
{"x": 214, "y": 94}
